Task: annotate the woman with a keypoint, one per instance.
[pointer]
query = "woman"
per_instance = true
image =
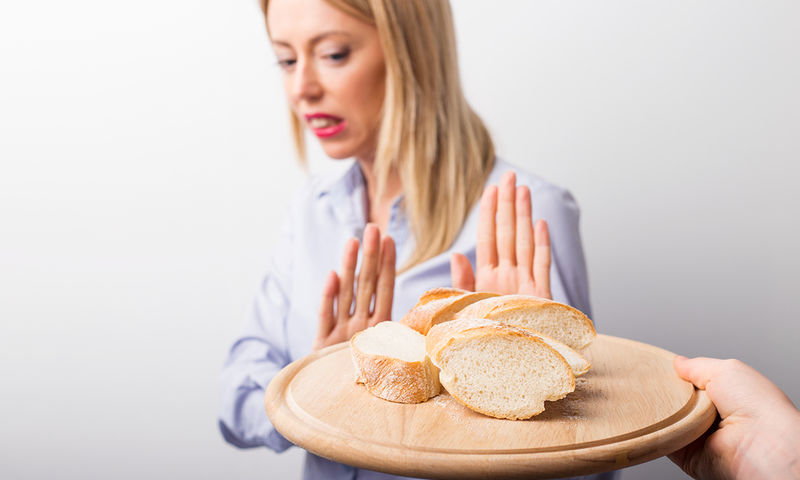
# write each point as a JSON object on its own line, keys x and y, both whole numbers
{"x": 377, "y": 80}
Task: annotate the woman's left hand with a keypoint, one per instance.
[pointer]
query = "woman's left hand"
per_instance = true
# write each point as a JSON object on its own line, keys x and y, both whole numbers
{"x": 513, "y": 255}
{"x": 344, "y": 312}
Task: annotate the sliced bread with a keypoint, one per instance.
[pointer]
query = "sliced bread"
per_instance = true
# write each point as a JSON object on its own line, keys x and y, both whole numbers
{"x": 576, "y": 361}
{"x": 390, "y": 361}
{"x": 556, "y": 320}
{"x": 440, "y": 305}
{"x": 496, "y": 369}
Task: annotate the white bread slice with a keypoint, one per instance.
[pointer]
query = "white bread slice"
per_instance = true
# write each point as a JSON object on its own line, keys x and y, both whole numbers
{"x": 390, "y": 361}
{"x": 496, "y": 369}
{"x": 576, "y": 361}
{"x": 440, "y": 305}
{"x": 556, "y": 320}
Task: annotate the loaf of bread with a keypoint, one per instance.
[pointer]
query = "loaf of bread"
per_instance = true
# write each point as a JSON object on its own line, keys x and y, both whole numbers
{"x": 440, "y": 305}
{"x": 390, "y": 361}
{"x": 496, "y": 369}
{"x": 556, "y": 320}
{"x": 438, "y": 293}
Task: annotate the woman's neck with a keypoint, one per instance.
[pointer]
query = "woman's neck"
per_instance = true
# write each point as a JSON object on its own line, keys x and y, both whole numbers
{"x": 379, "y": 209}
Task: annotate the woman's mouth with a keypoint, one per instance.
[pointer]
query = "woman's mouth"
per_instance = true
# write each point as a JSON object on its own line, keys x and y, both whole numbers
{"x": 324, "y": 125}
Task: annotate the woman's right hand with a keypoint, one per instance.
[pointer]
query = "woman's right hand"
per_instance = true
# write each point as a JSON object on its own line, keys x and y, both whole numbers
{"x": 338, "y": 318}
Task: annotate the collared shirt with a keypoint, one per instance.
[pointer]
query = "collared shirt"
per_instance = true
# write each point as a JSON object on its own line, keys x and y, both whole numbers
{"x": 283, "y": 320}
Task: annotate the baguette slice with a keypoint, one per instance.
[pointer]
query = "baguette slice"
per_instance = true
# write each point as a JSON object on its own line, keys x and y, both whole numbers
{"x": 440, "y": 305}
{"x": 556, "y": 320}
{"x": 496, "y": 369}
{"x": 390, "y": 361}
{"x": 576, "y": 361}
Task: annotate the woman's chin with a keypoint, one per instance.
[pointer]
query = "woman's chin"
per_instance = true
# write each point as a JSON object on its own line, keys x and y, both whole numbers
{"x": 341, "y": 149}
{"x": 338, "y": 156}
{"x": 338, "y": 153}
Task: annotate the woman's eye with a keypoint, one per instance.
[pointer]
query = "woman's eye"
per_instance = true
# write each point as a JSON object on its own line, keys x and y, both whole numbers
{"x": 286, "y": 63}
{"x": 338, "y": 56}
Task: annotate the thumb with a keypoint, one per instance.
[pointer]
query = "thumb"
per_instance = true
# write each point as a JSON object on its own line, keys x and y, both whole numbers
{"x": 701, "y": 372}
{"x": 327, "y": 310}
{"x": 461, "y": 272}
{"x": 733, "y": 386}
{"x": 697, "y": 370}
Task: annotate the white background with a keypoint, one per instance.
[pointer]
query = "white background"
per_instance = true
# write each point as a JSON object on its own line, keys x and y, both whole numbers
{"x": 145, "y": 161}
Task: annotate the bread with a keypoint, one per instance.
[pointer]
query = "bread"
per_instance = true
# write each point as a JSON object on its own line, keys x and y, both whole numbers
{"x": 576, "y": 361}
{"x": 556, "y": 320}
{"x": 440, "y": 292}
{"x": 496, "y": 369}
{"x": 440, "y": 305}
{"x": 390, "y": 361}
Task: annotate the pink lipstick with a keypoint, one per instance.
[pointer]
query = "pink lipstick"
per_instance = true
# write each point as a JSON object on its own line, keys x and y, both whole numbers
{"x": 324, "y": 125}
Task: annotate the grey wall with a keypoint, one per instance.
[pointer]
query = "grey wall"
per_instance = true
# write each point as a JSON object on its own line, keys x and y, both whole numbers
{"x": 145, "y": 163}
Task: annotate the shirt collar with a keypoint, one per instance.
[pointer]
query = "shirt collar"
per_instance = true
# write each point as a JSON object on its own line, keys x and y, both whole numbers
{"x": 343, "y": 184}
{"x": 347, "y": 195}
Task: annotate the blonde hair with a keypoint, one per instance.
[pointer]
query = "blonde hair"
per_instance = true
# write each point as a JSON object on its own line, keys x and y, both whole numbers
{"x": 429, "y": 135}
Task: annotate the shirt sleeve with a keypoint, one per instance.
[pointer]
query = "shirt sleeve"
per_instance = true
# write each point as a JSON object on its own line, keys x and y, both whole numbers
{"x": 569, "y": 282}
{"x": 257, "y": 356}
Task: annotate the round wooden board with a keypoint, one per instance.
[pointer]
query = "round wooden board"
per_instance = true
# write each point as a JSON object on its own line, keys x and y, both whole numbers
{"x": 630, "y": 408}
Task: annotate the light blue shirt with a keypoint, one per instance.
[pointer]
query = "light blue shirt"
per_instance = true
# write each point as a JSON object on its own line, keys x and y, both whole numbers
{"x": 283, "y": 321}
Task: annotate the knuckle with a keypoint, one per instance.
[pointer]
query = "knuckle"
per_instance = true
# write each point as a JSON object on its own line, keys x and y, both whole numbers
{"x": 734, "y": 364}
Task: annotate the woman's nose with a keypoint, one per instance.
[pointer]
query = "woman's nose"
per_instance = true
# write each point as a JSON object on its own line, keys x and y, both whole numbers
{"x": 305, "y": 85}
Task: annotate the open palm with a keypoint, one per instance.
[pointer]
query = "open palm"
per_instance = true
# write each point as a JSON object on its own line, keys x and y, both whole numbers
{"x": 512, "y": 254}
{"x": 344, "y": 311}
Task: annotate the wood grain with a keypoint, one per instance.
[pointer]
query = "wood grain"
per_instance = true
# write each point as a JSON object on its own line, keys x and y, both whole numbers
{"x": 630, "y": 408}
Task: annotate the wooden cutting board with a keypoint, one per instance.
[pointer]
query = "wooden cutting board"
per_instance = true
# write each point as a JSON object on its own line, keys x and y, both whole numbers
{"x": 630, "y": 408}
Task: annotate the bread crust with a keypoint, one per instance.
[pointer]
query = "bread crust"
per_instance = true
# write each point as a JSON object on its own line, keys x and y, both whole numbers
{"x": 394, "y": 379}
{"x": 438, "y": 293}
{"x": 444, "y": 333}
{"x": 497, "y": 307}
{"x": 438, "y": 308}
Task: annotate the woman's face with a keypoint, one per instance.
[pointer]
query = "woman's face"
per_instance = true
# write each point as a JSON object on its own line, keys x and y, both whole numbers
{"x": 333, "y": 72}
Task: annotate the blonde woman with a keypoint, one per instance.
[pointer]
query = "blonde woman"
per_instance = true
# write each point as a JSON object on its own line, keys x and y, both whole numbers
{"x": 377, "y": 81}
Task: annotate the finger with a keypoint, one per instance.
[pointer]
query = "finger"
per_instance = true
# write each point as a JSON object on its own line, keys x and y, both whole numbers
{"x": 461, "y": 272}
{"x": 384, "y": 294}
{"x": 505, "y": 220}
{"x": 524, "y": 236}
{"x": 486, "y": 248}
{"x": 368, "y": 274}
{"x": 349, "y": 259}
{"x": 327, "y": 317}
{"x": 541, "y": 259}
{"x": 697, "y": 370}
